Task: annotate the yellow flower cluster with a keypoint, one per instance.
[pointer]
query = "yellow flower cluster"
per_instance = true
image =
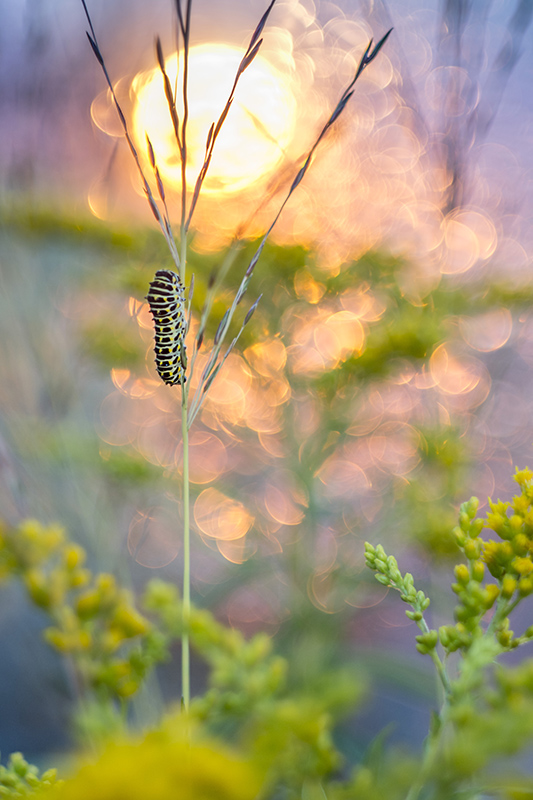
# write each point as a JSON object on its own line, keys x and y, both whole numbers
{"x": 508, "y": 559}
{"x": 93, "y": 618}
{"x": 511, "y": 559}
{"x": 161, "y": 766}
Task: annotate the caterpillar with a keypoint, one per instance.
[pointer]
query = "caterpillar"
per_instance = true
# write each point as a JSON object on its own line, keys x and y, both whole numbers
{"x": 167, "y": 305}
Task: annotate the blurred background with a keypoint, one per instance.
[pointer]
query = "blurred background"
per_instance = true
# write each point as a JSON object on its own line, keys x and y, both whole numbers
{"x": 385, "y": 378}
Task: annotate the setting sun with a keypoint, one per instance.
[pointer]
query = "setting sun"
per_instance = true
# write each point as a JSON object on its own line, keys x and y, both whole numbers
{"x": 258, "y": 128}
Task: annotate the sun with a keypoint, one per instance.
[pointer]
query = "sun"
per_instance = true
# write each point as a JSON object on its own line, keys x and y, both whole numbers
{"x": 253, "y": 139}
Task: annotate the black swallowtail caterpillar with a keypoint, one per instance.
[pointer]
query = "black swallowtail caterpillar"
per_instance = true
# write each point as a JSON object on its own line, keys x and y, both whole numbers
{"x": 168, "y": 308}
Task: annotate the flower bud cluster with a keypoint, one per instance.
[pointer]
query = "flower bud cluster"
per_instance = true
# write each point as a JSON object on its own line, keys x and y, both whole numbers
{"x": 243, "y": 672}
{"x": 510, "y": 560}
{"x": 389, "y": 574}
{"x": 94, "y": 621}
{"x": 475, "y": 597}
{"x": 507, "y": 559}
{"x": 488, "y": 709}
{"x": 247, "y": 681}
{"x": 20, "y": 779}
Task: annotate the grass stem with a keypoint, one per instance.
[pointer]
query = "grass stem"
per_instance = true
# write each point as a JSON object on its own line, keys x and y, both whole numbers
{"x": 185, "y": 650}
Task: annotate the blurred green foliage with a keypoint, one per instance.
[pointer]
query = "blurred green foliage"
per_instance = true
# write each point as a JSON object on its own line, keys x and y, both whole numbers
{"x": 20, "y": 779}
{"x": 281, "y": 707}
{"x": 254, "y": 734}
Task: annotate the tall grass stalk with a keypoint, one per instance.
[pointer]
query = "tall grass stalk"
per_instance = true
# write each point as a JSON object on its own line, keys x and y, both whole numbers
{"x": 217, "y": 357}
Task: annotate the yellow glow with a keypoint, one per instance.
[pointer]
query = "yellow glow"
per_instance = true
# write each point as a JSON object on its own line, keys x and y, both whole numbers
{"x": 221, "y": 517}
{"x": 255, "y": 133}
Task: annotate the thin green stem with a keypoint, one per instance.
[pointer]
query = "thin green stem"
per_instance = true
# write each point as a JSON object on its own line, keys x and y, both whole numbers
{"x": 186, "y": 608}
{"x": 430, "y": 756}
{"x": 432, "y": 750}
{"x": 185, "y": 646}
{"x": 433, "y": 742}
{"x": 441, "y": 671}
{"x": 439, "y": 666}
{"x": 503, "y": 609}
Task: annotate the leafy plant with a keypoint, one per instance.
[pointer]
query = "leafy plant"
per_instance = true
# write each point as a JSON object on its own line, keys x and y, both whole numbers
{"x": 486, "y": 711}
{"x": 281, "y": 735}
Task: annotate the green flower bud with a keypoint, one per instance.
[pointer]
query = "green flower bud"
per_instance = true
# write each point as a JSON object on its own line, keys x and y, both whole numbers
{"x": 74, "y": 556}
{"x": 370, "y": 555}
{"x": 523, "y": 477}
{"x": 525, "y": 586}
{"x": 515, "y": 523}
{"x": 161, "y": 596}
{"x": 420, "y": 596}
{"x": 79, "y": 577}
{"x": 258, "y": 648}
{"x": 49, "y": 776}
{"x": 472, "y": 549}
{"x": 509, "y": 586}
{"x": 82, "y": 641}
{"x": 471, "y": 507}
{"x": 491, "y": 594}
{"x": 464, "y": 521}
{"x": 106, "y": 585}
{"x": 462, "y": 574}
{"x": 427, "y": 642}
{"x": 521, "y": 544}
{"x": 462, "y": 614}
{"x": 111, "y": 640}
{"x": 459, "y": 536}
{"x": 88, "y": 604}
{"x": 444, "y": 635}
{"x": 38, "y": 588}
{"x": 18, "y": 764}
{"x": 57, "y": 639}
{"x": 128, "y": 622}
{"x": 504, "y": 638}
{"x": 522, "y": 565}
{"x": 127, "y": 688}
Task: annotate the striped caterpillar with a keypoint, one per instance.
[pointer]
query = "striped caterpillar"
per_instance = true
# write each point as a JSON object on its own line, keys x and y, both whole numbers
{"x": 167, "y": 305}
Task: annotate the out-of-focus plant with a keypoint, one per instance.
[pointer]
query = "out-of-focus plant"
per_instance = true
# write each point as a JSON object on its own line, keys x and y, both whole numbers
{"x": 167, "y": 763}
{"x": 487, "y": 709}
{"x": 111, "y": 644}
{"x": 281, "y": 737}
